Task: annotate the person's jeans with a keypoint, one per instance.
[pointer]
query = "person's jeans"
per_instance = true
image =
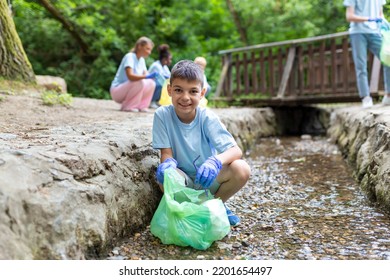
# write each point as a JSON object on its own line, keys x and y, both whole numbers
{"x": 360, "y": 42}
{"x": 160, "y": 80}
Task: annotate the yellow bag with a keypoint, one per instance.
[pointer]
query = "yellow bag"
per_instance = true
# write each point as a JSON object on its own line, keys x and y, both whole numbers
{"x": 203, "y": 102}
{"x": 165, "y": 99}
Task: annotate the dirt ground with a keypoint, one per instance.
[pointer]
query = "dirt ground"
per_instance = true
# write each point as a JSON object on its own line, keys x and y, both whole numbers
{"x": 22, "y": 111}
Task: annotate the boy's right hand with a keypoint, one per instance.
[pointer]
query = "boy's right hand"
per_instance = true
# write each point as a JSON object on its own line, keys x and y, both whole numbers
{"x": 208, "y": 171}
{"x": 168, "y": 163}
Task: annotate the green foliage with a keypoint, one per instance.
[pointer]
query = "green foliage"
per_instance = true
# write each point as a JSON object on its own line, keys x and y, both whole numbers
{"x": 52, "y": 97}
{"x": 279, "y": 20}
{"x": 191, "y": 28}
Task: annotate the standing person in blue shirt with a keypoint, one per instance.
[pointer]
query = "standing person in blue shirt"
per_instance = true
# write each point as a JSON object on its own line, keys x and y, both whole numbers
{"x": 161, "y": 67}
{"x": 192, "y": 139}
{"x": 133, "y": 86}
{"x": 366, "y": 17}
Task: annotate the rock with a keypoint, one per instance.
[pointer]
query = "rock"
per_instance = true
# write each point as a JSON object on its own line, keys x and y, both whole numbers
{"x": 7, "y": 136}
{"x": 363, "y": 136}
{"x": 71, "y": 191}
{"x": 306, "y": 137}
{"x": 52, "y": 83}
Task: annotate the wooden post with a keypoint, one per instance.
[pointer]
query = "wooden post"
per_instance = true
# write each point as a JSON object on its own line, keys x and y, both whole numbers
{"x": 310, "y": 70}
{"x": 246, "y": 74}
{"x": 322, "y": 67}
{"x": 333, "y": 55}
{"x": 286, "y": 72}
{"x": 238, "y": 74}
{"x": 254, "y": 73}
{"x": 223, "y": 77}
{"x": 301, "y": 71}
{"x": 346, "y": 64}
{"x": 263, "y": 79}
{"x": 271, "y": 72}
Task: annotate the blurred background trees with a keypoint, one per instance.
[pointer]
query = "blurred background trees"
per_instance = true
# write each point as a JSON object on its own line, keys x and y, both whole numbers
{"x": 84, "y": 41}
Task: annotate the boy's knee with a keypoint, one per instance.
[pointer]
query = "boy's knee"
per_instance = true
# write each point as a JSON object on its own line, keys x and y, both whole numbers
{"x": 246, "y": 171}
{"x": 241, "y": 170}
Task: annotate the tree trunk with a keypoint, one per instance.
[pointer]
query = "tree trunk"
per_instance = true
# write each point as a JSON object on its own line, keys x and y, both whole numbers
{"x": 14, "y": 64}
{"x": 237, "y": 21}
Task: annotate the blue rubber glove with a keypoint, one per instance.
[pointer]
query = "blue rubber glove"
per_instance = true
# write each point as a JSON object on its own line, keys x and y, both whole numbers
{"x": 208, "y": 171}
{"x": 168, "y": 163}
{"x": 151, "y": 75}
{"x": 377, "y": 20}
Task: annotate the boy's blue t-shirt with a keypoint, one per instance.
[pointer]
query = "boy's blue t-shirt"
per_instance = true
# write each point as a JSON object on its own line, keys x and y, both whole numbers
{"x": 129, "y": 60}
{"x": 367, "y": 8}
{"x": 204, "y": 136}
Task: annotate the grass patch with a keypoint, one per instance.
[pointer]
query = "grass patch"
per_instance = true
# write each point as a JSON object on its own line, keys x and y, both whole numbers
{"x": 52, "y": 97}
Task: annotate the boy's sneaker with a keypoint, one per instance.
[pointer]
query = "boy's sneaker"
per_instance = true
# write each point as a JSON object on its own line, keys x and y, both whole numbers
{"x": 386, "y": 100}
{"x": 233, "y": 219}
{"x": 367, "y": 102}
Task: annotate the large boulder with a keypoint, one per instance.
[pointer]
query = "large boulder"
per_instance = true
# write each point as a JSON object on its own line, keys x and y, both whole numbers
{"x": 52, "y": 83}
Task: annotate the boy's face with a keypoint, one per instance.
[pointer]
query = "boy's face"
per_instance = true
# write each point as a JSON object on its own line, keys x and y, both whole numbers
{"x": 186, "y": 96}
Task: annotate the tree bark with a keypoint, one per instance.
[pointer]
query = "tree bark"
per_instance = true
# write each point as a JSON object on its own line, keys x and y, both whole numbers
{"x": 237, "y": 21}
{"x": 68, "y": 25}
{"x": 14, "y": 64}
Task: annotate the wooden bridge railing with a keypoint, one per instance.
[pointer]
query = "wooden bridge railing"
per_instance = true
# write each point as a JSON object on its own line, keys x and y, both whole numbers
{"x": 311, "y": 70}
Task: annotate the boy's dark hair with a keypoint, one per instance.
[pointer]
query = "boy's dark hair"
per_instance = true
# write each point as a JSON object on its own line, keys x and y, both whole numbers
{"x": 187, "y": 70}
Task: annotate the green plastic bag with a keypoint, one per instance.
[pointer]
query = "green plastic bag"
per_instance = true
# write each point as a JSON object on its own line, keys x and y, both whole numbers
{"x": 385, "y": 48}
{"x": 188, "y": 217}
{"x": 384, "y": 54}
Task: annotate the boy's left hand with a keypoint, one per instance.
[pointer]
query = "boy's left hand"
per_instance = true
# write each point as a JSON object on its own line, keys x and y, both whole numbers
{"x": 208, "y": 171}
{"x": 168, "y": 163}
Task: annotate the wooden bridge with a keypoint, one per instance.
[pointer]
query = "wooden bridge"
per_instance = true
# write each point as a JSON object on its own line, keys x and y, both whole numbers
{"x": 295, "y": 72}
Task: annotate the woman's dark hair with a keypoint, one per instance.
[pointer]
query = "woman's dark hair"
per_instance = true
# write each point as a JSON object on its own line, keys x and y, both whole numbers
{"x": 163, "y": 52}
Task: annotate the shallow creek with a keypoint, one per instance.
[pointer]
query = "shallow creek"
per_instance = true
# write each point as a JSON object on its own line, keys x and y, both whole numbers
{"x": 301, "y": 203}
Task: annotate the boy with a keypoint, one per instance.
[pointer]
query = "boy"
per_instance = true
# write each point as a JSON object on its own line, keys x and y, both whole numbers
{"x": 194, "y": 142}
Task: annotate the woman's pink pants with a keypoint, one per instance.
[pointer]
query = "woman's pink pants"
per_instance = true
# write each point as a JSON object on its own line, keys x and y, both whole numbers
{"x": 134, "y": 95}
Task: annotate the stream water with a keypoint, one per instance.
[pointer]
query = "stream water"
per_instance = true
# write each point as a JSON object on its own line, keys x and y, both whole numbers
{"x": 300, "y": 203}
